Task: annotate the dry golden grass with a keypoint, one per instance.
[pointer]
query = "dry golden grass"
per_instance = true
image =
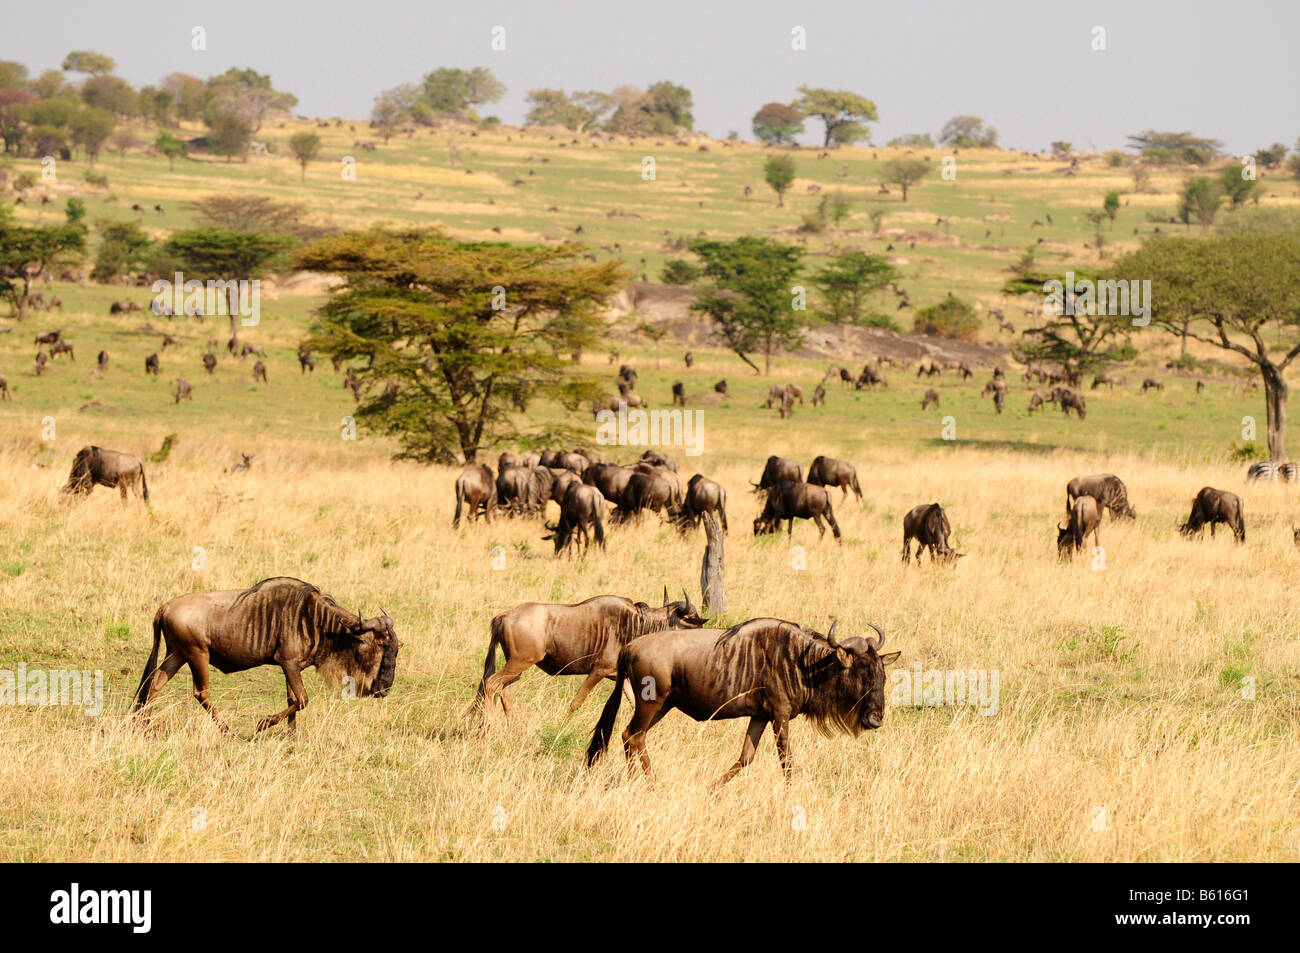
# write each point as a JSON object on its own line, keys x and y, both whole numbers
{"x": 1119, "y": 689}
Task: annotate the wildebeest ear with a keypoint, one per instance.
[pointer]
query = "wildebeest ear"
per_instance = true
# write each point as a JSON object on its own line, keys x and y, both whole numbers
{"x": 844, "y": 656}
{"x": 890, "y": 658}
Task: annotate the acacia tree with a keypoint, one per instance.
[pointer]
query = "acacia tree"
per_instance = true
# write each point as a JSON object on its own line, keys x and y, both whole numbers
{"x": 304, "y": 146}
{"x": 749, "y": 294}
{"x": 214, "y": 254}
{"x": 904, "y": 173}
{"x": 845, "y": 115}
{"x": 848, "y": 279}
{"x": 777, "y": 123}
{"x": 1224, "y": 290}
{"x": 470, "y": 332}
{"x": 778, "y": 172}
{"x": 27, "y": 251}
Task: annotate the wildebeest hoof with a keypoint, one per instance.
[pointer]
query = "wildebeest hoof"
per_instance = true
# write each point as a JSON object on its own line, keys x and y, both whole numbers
{"x": 265, "y": 723}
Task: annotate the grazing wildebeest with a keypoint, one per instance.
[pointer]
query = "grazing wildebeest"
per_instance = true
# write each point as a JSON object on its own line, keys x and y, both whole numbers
{"x": 928, "y": 525}
{"x": 1216, "y": 506}
{"x": 775, "y": 395}
{"x": 151, "y": 364}
{"x": 41, "y": 360}
{"x": 476, "y": 489}
{"x": 777, "y": 470}
{"x": 1085, "y": 518}
{"x": 1106, "y": 488}
{"x": 570, "y": 461}
{"x": 169, "y": 341}
{"x": 845, "y": 376}
{"x": 931, "y": 398}
{"x": 1152, "y": 384}
{"x": 245, "y": 464}
{"x": 827, "y": 471}
{"x": 721, "y": 388}
{"x": 580, "y": 639}
{"x": 593, "y": 456}
{"x": 580, "y": 507}
{"x": 793, "y": 500}
{"x": 512, "y": 489}
{"x": 768, "y": 670}
{"x": 259, "y": 372}
{"x": 103, "y": 361}
{"x": 609, "y": 478}
{"x": 679, "y": 394}
{"x": 4, "y": 389}
{"x": 94, "y": 466}
{"x": 61, "y": 347}
{"x": 795, "y": 392}
{"x": 659, "y": 459}
{"x": 627, "y": 372}
{"x": 787, "y": 405}
{"x": 1069, "y": 400}
{"x": 689, "y": 359}
{"x": 644, "y": 491}
{"x": 49, "y": 337}
{"x": 870, "y": 377}
{"x": 819, "y": 396}
{"x": 209, "y": 362}
{"x": 306, "y": 362}
{"x": 1035, "y": 402}
{"x": 281, "y": 621}
{"x": 702, "y": 496}
{"x": 184, "y": 390}
{"x": 248, "y": 349}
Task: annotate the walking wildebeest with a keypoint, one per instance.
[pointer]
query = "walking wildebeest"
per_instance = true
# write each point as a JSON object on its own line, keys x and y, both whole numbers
{"x": 280, "y": 621}
{"x": 41, "y": 360}
{"x": 209, "y": 362}
{"x": 644, "y": 491}
{"x": 1216, "y": 506}
{"x": 62, "y": 347}
{"x": 49, "y": 337}
{"x": 580, "y": 507}
{"x": 775, "y": 394}
{"x": 827, "y": 471}
{"x": 819, "y": 396}
{"x": 845, "y": 376}
{"x": 1085, "y": 518}
{"x": 184, "y": 390}
{"x": 794, "y": 500}
{"x": 721, "y": 388}
{"x": 94, "y": 466}
{"x": 579, "y": 639}
{"x": 689, "y": 359}
{"x": 1152, "y": 383}
{"x": 476, "y": 489}
{"x": 928, "y": 525}
{"x": 4, "y": 389}
{"x": 610, "y": 478}
{"x": 775, "y": 471}
{"x": 679, "y": 394}
{"x": 931, "y": 397}
{"x": 306, "y": 362}
{"x": 151, "y": 364}
{"x": 702, "y": 496}
{"x": 259, "y": 372}
{"x": 768, "y": 670}
{"x": 1035, "y": 402}
{"x": 1106, "y": 488}
{"x": 103, "y": 361}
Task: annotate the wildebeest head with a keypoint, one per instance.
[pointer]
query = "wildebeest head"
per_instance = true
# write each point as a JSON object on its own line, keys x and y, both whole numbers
{"x": 852, "y": 677}
{"x": 366, "y": 652}
{"x": 683, "y": 615}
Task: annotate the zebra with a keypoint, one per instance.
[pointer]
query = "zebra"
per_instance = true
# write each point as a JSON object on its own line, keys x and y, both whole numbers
{"x": 1291, "y": 472}
{"x": 1261, "y": 471}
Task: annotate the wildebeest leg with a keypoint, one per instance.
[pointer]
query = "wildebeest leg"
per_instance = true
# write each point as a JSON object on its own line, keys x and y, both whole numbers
{"x": 170, "y": 666}
{"x": 781, "y": 731}
{"x": 199, "y": 672}
{"x": 645, "y": 717}
{"x": 752, "y": 736}
{"x": 590, "y": 682}
{"x": 907, "y": 549}
{"x": 297, "y": 698}
{"x": 821, "y": 527}
{"x": 789, "y": 529}
{"x": 505, "y": 679}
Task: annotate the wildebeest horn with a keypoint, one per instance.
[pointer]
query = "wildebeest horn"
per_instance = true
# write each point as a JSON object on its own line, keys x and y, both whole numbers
{"x": 665, "y": 595}
{"x": 830, "y": 636}
{"x": 690, "y": 607}
{"x": 880, "y": 642}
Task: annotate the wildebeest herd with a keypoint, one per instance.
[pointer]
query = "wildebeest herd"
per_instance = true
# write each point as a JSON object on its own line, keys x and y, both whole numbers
{"x": 662, "y": 657}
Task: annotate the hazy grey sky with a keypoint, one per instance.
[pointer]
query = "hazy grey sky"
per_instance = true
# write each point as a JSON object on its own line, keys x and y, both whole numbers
{"x": 1225, "y": 70}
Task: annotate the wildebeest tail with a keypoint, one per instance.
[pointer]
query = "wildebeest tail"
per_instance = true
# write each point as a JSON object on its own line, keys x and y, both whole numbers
{"x": 600, "y": 532}
{"x": 608, "y": 714}
{"x": 856, "y": 487}
{"x": 490, "y": 662}
{"x": 144, "y": 485}
{"x": 151, "y": 665}
{"x": 460, "y": 497}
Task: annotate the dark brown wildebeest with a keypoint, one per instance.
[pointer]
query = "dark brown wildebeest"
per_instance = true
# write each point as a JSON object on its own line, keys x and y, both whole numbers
{"x": 41, "y": 360}
{"x": 1295, "y": 535}
{"x": 259, "y": 372}
{"x": 4, "y": 389}
{"x": 1106, "y": 488}
{"x": 626, "y": 396}
{"x": 550, "y": 458}
{"x": 184, "y": 390}
{"x": 151, "y": 364}
{"x": 531, "y": 460}
{"x": 94, "y": 466}
{"x": 767, "y": 670}
{"x": 670, "y": 476}
{"x": 819, "y": 396}
{"x": 1216, "y": 506}
{"x": 777, "y": 470}
{"x": 795, "y": 392}
{"x": 281, "y": 621}
{"x": 581, "y": 507}
{"x": 1069, "y": 400}
{"x": 845, "y": 376}
{"x": 169, "y": 341}
{"x": 679, "y": 394}
{"x": 931, "y": 398}
{"x": 644, "y": 491}
{"x": 49, "y": 337}
{"x": 248, "y": 349}
{"x": 102, "y": 361}
{"x": 306, "y": 362}
{"x": 689, "y": 359}
{"x": 1152, "y": 383}
{"x": 702, "y": 496}
{"x": 827, "y": 471}
{"x": 561, "y": 480}
{"x": 787, "y": 405}
{"x": 476, "y": 489}
{"x": 626, "y": 372}
{"x": 775, "y": 395}
{"x": 507, "y": 459}
{"x": 593, "y": 456}
{"x": 61, "y": 347}
{"x": 928, "y": 525}
{"x": 570, "y": 461}
{"x": 1085, "y": 518}
{"x": 580, "y": 639}
{"x": 1200, "y": 385}
{"x": 721, "y": 388}
{"x": 512, "y": 489}
{"x": 245, "y": 464}
{"x": 1035, "y": 402}
{"x": 790, "y": 501}
{"x": 209, "y": 362}
{"x": 609, "y": 478}
{"x": 659, "y": 459}
{"x": 870, "y": 377}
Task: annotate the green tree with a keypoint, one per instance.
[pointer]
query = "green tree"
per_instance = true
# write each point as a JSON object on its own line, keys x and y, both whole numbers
{"x": 304, "y": 147}
{"x": 904, "y": 173}
{"x": 171, "y": 147}
{"x": 777, "y": 123}
{"x": 968, "y": 132}
{"x": 26, "y": 251}
{"x": 1164, "y": 147}
{"x": 1074, "y": 335}
{"x": 1228, "y": 288}
{"x": 950, "y": 318}
{"x": 1110, "y": 204}
{"x": 749, "y": 294}
{"x": 90, "y": 129}
{"x": 246, "y": 94}
{"x": 123, "y": 247}
{"x": 87, "y": 61}
{"x": 843, "y": 114}
{"x": 672, "y": 102}
{"x": 1199, "y": 202}
{"x": 1236, "y": 187}
{"x": 75, "y": 210}
{"x": 229, "y": 134}
{"x": 470, "y": 332}
{"x": 455, "y": 90}
{"x": 778, "y": 172}
{"x": 1272, "y": 156}
{"x": 212, "y": 254}
{"x": 392, "y": 108}
{"x": 846, "y": 282}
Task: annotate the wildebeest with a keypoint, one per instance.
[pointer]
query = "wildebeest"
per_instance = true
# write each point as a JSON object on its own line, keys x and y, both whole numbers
{"x": 306, "y": 362}
{"x": 787, "y": 404}
{"x": 4, "y": 389}
{"x": 819, "y": 396}
{"x": 184, "y": 390}
{"x": 570, "y": 461}
{"x": 870, "y": 377}
{"x": 593, "y": 456}
{"x": 776, "y": 470}
{"x": 931, "y": 398}
{"x": 62, "y": 347}
{"x": 679, "y": 394}
{"x": 259, "y": 372}
{"x": 659, "y": 459}
{"x": 209, "y": 362}
{"x": 1216, "y": 506}
{"x": 1069, "y": 400}
{"x": 845, "y": 376}
{"x": 645, "y": 491}
{"x": 580, "y": 507}
{"x": 95, "y": 466}
{"x": 702, "y": 496}
{"x": 689, "y": 358}
{"x": 1085, "y": 518}
{"x": 1035, "y": 402}
{"x": 928, "y": 525}
{"x": 151, "y": 364}
{"x": 580, "y": 639}
{"x": 827, "y": 471}
{"x": 282, "y": 621}
{"x": 721, "y": 388}
{"x": 476, "y": 489}
{"x": 609, "y": 478}
{"x": 796, "y": 500}
{"x": 49, "y": 337}
{"x": 1106, "y": 488}
{"x": 102, "y": 361}
{"x": 41, "y": 360}
{"x": 512, "y": 489}
{"x": 795, "y": 392}
{"x": 775, "y": 395}
{"x": 768, "y": 670}
{"x": 1152, "y": 383}
{"x": 169, "y": 341}
{"x": 248, "y": 349}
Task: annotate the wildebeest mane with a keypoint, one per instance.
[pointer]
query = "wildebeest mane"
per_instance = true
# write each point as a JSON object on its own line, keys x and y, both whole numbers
{"x": 281, "y": 605}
